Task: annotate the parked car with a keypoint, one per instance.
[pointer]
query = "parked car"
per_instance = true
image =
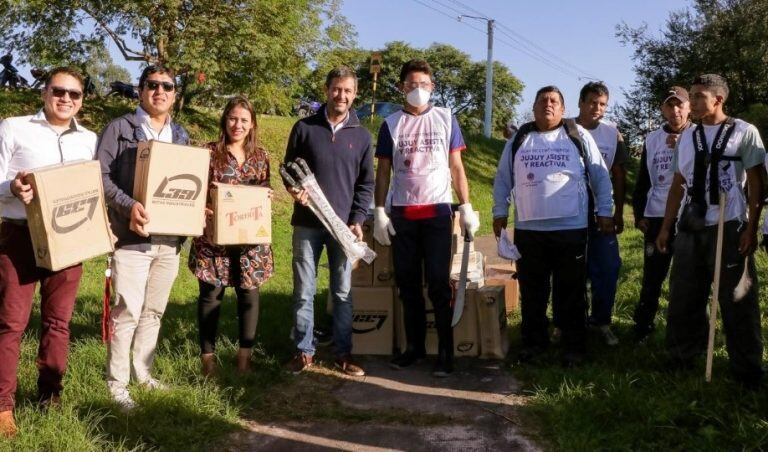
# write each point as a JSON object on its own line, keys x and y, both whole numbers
{"x": 383, "y": 109}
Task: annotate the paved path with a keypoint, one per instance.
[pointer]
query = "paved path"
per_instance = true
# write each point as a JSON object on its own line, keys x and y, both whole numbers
{"x": 479, "y": 405}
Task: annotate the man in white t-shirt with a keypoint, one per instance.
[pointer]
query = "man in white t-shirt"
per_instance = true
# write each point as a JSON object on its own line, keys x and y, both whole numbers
{"x": 603, "y": 260}
{"x": 726, "y": 153}
{"x": 51, "y": 136}
{"x": 649, "y": 201}
{"x": 419, "y": 149}
{"x": 546, "y": 169}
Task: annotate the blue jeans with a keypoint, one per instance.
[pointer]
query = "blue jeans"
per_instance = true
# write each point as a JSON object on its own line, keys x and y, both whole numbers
{"x": 603, "y": 265}
{"x": 307, "y": 247}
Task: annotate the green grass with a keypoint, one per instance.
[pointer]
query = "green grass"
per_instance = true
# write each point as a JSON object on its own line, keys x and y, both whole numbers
{"x": 622, "y": 399}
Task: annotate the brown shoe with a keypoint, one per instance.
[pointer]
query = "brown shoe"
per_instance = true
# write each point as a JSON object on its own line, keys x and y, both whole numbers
{"x": 208, "y": 361}
{"x": 50, "y": 402}
{"x": 345, "y": 365}
{"x": 299, "y": 363}
{"x": 243, "y": 361}
{"x": 7, "y": 424}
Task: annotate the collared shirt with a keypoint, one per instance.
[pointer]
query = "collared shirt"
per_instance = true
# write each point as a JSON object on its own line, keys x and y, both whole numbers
{"x": 165, "y": 135}
{"x": 338, "y": 126}
{"x": 29, "y": 142}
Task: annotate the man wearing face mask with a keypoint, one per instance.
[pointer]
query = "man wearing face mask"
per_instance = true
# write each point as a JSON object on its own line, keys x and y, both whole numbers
{"x": 649, "y": 201}
{"x": 419, "y": 149}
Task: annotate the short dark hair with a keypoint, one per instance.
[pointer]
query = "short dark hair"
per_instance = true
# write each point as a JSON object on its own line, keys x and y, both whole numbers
{"x": 67, "y": 70}
{"x": 155, "y": 69}
{"x": 340, "y": 72}
{"x": 598, "y": 88}
{"x": 415, "y": 66}
{"x": 549, "y": 89}
{"x": 714, "y": 82}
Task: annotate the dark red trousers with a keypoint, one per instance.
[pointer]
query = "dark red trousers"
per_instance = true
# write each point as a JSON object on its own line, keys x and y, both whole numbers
{"x": 18, "y": 278}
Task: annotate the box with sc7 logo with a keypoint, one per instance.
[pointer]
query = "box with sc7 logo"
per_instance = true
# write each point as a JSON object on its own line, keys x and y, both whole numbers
{"x": 372, "y": 320}
{"x": 171, "y": 182}
{"x": 67, "y": 217}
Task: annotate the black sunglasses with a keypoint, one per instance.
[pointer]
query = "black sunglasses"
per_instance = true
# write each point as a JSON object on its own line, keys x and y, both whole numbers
{"x": 61, "y": 92}
{"x": 152, "y": 85}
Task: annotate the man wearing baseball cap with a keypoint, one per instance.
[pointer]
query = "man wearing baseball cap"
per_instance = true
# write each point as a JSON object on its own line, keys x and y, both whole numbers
{"x": 649, "y": 201}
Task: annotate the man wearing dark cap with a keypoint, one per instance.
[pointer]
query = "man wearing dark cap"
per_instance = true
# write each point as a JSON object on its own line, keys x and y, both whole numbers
{"x": 725, "y": 153}
{"x": 649, "y": 201}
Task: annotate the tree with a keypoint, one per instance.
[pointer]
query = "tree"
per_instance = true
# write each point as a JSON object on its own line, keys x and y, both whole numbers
{"x": 259, "y": 47}
{"x": 459, "y": 82}
{"x": 728, "y": 37}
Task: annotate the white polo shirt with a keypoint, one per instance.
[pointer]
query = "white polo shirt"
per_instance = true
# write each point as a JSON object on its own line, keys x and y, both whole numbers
{"x": 29, "y": 142}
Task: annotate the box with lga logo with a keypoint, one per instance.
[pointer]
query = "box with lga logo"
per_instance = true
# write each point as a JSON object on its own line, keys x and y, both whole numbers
{"x": 67, "y": 216}
{"x": 242, "y": 215}
{"x": 171, "y": 183}
{"x": 372, "y": 321}
{"x": 466, "y": 340}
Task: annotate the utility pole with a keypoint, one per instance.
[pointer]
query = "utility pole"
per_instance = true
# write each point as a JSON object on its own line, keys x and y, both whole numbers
{"x": 487, "y": 120}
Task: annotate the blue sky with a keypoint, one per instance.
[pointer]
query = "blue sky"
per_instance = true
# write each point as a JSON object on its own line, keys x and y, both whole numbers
{"x": 582, "y": 33}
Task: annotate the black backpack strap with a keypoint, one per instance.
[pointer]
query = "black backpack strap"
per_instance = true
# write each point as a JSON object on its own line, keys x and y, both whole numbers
{"x": 718, "y": 148}
{"x": 573, "y": 133}
{"x": 522, "y": 132}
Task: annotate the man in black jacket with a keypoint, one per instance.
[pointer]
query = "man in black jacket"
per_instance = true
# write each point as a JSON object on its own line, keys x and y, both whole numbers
{"x": 338, "y": 151}
{"x": 649, "y": 201}
{"x": 143, "y": 267}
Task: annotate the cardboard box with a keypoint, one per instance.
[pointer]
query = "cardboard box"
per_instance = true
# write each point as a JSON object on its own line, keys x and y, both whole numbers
{"x": 171, "y": 183}
{"x": 466, "y": 339}
{"x": 383, "y": 266}
{"x": 68, "y": 217}
{"x": 362, "y": 273}
{"x": 457, "y": 244}
{"x": 242, "y": 215}
{"x": 505, "y": 275}
{"x": 492, "y": 316}
{"x": 372, "y": 320}
{"x": 475, "y": 261}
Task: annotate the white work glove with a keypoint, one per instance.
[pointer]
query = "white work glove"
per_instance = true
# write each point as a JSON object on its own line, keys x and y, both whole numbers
{"x": 382, "y": 226}
{"x": 469, "y": 220}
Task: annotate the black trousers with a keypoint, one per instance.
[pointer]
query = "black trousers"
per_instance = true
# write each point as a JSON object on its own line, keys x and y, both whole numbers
{"x": 209, "y": 307}
{"x": 655, "y": 269}
{"x": 553, "y": 261}
{"x": 426, "y": 241}
{"x": 687, "y": 319}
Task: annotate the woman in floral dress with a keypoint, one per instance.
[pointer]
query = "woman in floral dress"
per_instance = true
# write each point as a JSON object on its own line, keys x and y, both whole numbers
{"x": 237, "y": 158}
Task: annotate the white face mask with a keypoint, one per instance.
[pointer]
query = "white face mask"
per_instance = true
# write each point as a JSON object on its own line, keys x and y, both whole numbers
{"x": 418, "y": 97}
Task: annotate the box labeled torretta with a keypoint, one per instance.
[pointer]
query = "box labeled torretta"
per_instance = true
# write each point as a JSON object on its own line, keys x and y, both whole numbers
{"x": 67, "y": 217}
{"x": 171, "y": 183}
{"x": 242, "y": 215}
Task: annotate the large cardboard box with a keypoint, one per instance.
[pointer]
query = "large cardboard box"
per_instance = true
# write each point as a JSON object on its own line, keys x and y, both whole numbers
{"x": 466, "y": 341}
{"x": 505, "y": 275}
{"x": 67, "y": 217}
{"x": 383, "y": 266}
{"x": 494, "y": 335}
{"x": 475, "y": 262}
{"x": 372, "y": 321}
{"x": 171, "y": 182}
{"x": 362, "y": 273}
{"x": 242, "y": 215}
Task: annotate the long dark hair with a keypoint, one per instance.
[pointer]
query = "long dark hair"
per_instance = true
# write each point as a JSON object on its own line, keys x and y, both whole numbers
{"x": 251, "y": 146}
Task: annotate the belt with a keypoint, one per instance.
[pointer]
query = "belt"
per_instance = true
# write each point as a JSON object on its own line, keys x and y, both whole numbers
{"x": 15, "y": 221}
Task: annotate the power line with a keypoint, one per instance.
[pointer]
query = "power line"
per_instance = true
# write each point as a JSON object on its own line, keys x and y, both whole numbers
{"x": 448, "y": 15}
{"x": 524, "y": 45}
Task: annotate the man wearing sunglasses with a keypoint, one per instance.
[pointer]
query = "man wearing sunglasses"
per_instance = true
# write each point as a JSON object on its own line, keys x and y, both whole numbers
{"x": 143, "y": 267}
{"x": 49, "y": 137}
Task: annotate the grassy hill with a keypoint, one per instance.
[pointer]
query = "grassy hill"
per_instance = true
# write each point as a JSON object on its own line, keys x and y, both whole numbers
{"x": 622, "y": 399}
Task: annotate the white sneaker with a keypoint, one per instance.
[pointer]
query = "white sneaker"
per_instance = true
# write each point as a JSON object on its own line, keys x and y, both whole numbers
{"x": 122, "y": 398}
{"x": 608, "y": 336}
{"x": 152, "y": 384}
